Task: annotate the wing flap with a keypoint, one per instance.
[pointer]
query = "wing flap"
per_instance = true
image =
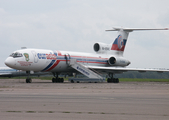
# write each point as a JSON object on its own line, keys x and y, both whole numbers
{"x": 125, "y": 69}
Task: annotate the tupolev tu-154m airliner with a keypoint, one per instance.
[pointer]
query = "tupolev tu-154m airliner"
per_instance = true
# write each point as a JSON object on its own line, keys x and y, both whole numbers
{"x": 108, "y": 59}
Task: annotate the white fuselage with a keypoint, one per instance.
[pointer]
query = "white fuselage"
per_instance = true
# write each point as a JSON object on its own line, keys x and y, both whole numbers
{"x": 55, "y": 61}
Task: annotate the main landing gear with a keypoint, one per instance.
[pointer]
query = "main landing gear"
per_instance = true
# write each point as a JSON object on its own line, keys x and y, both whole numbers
{"x": 56, "y": 79}
{"x": 111, "y": 79}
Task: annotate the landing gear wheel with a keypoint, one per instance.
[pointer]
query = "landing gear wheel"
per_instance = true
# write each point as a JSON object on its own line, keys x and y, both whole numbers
{"x": 53, "y": 80}
{"x": 57, "y": 80}
{"x": 72, "y": 81}
{"x": 117, "y": 80}
{"x": 113, "y": 80}
{"x": 28, "y": 80}
{"x": 108, "y": 80}
{"x": 62, "y": 80}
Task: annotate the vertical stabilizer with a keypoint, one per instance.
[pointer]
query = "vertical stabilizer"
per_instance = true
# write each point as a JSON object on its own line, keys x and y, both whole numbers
{"x": 119, "y": 43}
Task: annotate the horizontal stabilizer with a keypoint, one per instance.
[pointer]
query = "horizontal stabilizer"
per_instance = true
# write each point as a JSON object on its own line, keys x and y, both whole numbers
{"x": 134, "y": 29}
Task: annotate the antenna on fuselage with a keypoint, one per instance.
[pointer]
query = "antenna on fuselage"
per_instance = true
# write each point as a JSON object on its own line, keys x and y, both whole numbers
{"x": 23, "y": 47}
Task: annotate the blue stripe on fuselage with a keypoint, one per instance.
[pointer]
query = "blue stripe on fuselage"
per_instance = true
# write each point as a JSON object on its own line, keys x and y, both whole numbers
{"x": 51, "y": 63}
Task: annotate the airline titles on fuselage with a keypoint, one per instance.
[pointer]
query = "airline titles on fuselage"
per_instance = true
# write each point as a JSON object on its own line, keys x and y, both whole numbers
{"x": 46, "y": 56}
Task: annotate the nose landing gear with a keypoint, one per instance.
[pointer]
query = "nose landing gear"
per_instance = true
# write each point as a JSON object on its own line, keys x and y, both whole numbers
{"x": 28, "y": 79}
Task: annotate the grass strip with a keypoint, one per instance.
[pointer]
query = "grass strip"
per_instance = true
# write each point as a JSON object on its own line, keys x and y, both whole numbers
{"x": 142, "y": 80}
{"x": 120, "y": 79}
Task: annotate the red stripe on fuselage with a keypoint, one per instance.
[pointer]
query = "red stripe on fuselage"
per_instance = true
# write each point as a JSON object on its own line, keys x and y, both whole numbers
{"x": 56, "y": 63}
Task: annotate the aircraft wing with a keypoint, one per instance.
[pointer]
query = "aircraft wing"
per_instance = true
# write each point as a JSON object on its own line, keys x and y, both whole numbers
{"x": 5, "y": 74}
{"x": 125, "y": 69}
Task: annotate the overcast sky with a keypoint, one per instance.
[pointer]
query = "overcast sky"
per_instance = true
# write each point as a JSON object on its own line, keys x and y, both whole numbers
{"x": 75, "y": 25}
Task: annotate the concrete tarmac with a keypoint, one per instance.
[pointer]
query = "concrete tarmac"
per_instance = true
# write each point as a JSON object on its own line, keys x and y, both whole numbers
{"x": 43, "y": 100}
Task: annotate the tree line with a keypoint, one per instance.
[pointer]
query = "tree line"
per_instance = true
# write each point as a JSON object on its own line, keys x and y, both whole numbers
{"x": 135, "y": 74}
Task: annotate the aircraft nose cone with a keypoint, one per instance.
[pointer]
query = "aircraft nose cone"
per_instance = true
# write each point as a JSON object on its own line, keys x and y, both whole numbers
{"x": 10, "y": 62}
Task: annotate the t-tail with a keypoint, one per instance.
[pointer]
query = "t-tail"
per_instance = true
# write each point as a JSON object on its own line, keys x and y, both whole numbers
{"x": 118, "y": 46}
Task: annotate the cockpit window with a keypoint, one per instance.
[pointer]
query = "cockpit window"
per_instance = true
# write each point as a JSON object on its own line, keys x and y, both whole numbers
{"x": 16, "y": 54}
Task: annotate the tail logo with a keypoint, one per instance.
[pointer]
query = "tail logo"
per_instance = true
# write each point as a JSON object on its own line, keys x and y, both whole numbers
{"x": 120, "y": 42}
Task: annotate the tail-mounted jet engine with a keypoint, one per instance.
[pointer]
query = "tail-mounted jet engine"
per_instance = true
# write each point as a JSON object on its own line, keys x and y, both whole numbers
{"x": 118, "y": 61}
{"x": 101, "y": 47}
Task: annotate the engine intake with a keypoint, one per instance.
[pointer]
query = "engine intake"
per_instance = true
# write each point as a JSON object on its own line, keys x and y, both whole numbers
{"x": 96, "y": 47}
{"x": 101, "y": 47}
{"x": 118, "y": 61}
{"x": 112, "y": 60}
